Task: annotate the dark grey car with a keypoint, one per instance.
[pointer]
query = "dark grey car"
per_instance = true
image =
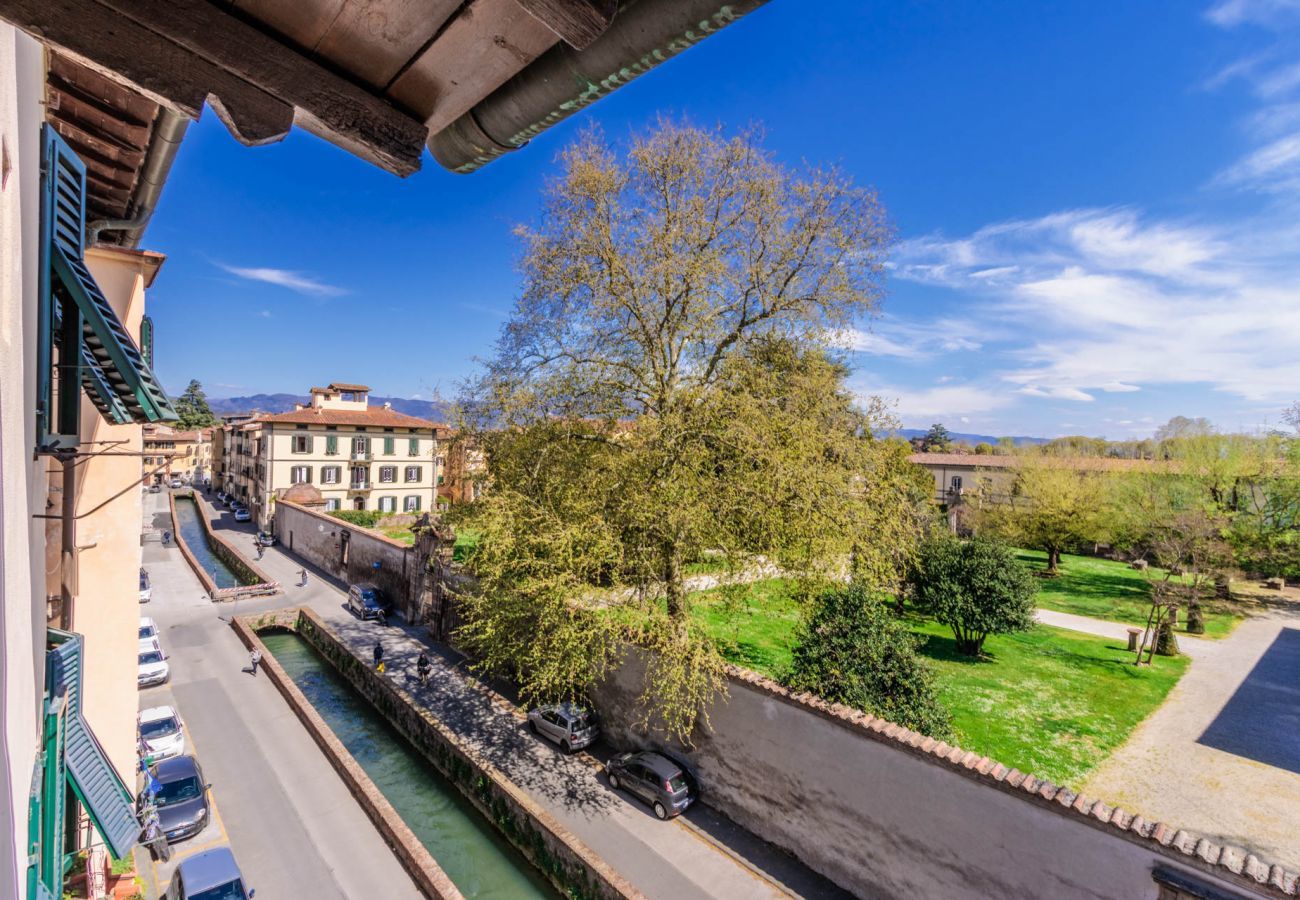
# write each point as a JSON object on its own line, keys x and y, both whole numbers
{"x": 654, "y": 778}
{"x": 181, "y": 797}
{"x": 367, "y": 601}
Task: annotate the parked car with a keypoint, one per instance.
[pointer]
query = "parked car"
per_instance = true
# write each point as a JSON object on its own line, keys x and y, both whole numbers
{"x": 149, "y": 633}
{"x": 266, "y": 539}
{"x": 210, "y": 875}
{"x": 176, "y": 482}
{"x": 367, "y": 601}
{"x": 152, "y": 668}
{"x": 567, "y": 724}
{"x": 146, "y": 586}
{"x": 155, "y": 488}
{"x": 221, "y": 496}
{"x": 243, "y": 515}
{"x": 161, "y": 732}
{"x": 181, "y": 796}
{"x": 654, "y": 778}
{"x": 230, "y": 501}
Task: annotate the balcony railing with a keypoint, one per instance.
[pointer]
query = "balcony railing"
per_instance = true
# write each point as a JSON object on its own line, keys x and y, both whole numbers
{"x": 359, "y": 485}
{"x": 361, "y": 455}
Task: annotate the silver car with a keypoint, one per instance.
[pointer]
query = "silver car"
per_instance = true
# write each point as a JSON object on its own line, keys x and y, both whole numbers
{"x": 567, "y": 724}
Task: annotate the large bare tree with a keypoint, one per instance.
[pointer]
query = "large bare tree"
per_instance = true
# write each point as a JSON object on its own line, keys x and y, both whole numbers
{"x": 665, "y": 391}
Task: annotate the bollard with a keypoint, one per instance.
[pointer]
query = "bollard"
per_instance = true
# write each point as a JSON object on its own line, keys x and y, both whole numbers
{"x": 1133, "y": 638}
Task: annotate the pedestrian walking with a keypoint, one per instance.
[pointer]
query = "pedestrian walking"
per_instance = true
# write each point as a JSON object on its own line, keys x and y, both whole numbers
{"x": 260, "y": 549}
{"x": 302, "y": 573}
{"x": 422, "y": 668}
{"x": 167, "y": 537}
{"x": 379, "y": 657}
{"x": 254, "y": 657}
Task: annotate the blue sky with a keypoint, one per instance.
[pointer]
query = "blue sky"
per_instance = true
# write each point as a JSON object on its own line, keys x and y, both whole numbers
{"x": 1096, "y": 205}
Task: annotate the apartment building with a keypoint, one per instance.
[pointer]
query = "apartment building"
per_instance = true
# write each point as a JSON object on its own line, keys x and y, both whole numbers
{"x": 358, "y": 455}
{"x": 171, "y": 453}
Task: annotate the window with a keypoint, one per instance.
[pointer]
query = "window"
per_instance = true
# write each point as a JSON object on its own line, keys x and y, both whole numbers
{"x": 331, "y": 445}
{"x": 412, "y": 473}
{"x": 413, "y": 446}
{"x": 411, "y": 503}
{"x": 956, "y": 483}
{"x": 331, "y": 504}
{"x": 360, "y": 448}
{"x": 302, "y": 443}
{"x": 360, "y": 476}
{"x": 388, "y": 474}
{"x": 388, "y": 446}
{"x": 388, "y": 504}
{"x": 300, "y": 475}
{"x": 331, "y": 474}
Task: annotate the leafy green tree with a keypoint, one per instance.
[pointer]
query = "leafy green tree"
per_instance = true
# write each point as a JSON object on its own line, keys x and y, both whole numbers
{"x": 1053, "y": 507}
{"x": 975, "y": 587}
{"x": 852, "y": 649}
{"x": 983, "y": 448}
{"x": 937, "y": 439}
{"x": 662, "y": 391}
{"x": 192, "y": 408}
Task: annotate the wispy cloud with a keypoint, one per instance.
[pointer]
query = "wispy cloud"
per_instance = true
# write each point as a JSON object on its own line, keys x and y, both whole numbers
{"x": 286, "y": 278}
{"x": 1229, "y": 13}
{"x": 265, "y": 313}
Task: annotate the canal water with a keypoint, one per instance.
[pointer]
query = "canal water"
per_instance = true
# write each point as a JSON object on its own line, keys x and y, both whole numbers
{"x": 188, "y": 527}
{"x": 475, "y": 857}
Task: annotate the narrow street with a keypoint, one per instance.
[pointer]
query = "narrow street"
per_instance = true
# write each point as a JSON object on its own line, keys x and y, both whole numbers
{"x": 701, "y": 854}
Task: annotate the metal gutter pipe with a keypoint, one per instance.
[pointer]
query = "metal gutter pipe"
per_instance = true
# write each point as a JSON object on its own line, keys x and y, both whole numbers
{"x": 167, "y": 134}
{"x": 563, "y": 81}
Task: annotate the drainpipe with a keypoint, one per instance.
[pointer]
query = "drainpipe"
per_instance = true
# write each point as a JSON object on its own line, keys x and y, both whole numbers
{"x": 69, "y": 576}
{"x": 563, "y": 81}
{"x": 168, "y": 131}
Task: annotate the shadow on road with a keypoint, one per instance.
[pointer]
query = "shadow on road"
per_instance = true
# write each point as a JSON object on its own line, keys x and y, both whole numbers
{"x": 1262, "y": 719}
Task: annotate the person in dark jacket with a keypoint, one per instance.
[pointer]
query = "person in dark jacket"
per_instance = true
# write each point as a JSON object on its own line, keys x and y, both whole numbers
{"x": 379, "y": 657}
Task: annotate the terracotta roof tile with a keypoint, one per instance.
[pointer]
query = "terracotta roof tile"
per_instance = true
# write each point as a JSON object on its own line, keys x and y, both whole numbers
{"x": 1083, "y": 463}
{"x": 376, "y": 417}
{"x": 341, "y": 386}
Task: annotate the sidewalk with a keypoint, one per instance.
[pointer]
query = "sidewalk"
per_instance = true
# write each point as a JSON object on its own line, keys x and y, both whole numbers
{"x": 1190, "y": 645}
{"x": 293, "y": 826}
{"x": 698, "y": 855}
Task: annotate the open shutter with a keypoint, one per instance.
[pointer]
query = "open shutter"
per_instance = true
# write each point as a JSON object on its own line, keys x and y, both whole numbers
{"x": 95, "y": 349}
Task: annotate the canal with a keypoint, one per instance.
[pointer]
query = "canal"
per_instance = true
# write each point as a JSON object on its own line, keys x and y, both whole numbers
{"x": 475, "y": 857}
{"x": 191, "y": 530}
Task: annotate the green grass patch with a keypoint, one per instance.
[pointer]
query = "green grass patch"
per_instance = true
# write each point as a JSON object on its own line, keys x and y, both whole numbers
{"x": 1049, "y": 701}
{"x": 1105, "y": 589}
{"x": 399, "y": 533}
{"x": 466, "y": 541}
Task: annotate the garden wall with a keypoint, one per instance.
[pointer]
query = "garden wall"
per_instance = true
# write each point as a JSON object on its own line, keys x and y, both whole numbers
{"x": 886, "y": 812}
{"x": 349, "y": 552}
{"x": 569, "y": 864}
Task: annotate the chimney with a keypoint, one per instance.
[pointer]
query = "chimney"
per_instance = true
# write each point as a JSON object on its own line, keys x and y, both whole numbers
{"x": 388, "y": 404}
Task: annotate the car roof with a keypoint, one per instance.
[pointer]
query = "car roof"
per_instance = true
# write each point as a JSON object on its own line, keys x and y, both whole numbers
{"x": 145, "y": 620}
{"x": 660, "y": 765}
{"x": 176, "y": 768}
{"x": 366, "y": 586}
{"x": 568, "y": 708}
{"x": 209, "y": 869}
{"x": 157, "y": 714}
{"x": 144, "y": 644}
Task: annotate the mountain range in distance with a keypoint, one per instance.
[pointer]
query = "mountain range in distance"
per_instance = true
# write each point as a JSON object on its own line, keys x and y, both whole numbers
{"x": 434, "y": 410}
{"x": 439, "y": 411}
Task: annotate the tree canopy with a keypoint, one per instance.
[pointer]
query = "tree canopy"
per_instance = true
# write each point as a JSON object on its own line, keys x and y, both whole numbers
{"x": 663, "y": 390}
{"x": 975, "y": 587}
{"x": 192, "y": 408}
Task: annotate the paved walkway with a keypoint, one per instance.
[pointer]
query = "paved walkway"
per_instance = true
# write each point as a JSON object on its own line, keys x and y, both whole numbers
{"x": 701, "y": 854}
{"x": 1221, "y": 756}
{"x": 1191, "y": 646}
{"x": 294, "y": 828}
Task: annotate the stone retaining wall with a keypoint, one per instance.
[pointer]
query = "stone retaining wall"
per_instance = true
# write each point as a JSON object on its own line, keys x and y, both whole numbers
{"x": 565, "y": 860}
{"x": 258, "y": 583}
{"x": 411, "y": 853}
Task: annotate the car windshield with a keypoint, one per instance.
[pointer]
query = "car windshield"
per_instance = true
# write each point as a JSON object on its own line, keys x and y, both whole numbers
{"x": 153, "y": 656}
{"x": 369, "y": 598}
{"x": 162, "y": 728}
{"x": 178, "y": 791}
{"x": 677, "y": 783}
{"x": 580, "y": 721}
{"x": 144, "y": 581}
{"x": 146, "y": 631}
{"x": 231, "y": 890}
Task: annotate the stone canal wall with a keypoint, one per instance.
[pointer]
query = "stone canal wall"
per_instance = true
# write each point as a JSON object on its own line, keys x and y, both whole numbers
{"x": 565, "y": 860}
{"x": 253, "y": 581}
{"x": 886, "y": 812}
{"x": 411, "y": 853}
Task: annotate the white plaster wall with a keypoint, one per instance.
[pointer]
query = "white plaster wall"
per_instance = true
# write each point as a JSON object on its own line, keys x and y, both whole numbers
{"x": 22, "y": 485}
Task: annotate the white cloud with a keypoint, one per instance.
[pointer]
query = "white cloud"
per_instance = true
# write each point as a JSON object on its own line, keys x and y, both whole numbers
{"x": 294, "y": 281}
{"x": 265, "y": 314}
{"x": 1228, "y": 13}
{"x": 909, "y": 339}
{"x": 1110, "y": 300}
{"x": 925, "y": 405}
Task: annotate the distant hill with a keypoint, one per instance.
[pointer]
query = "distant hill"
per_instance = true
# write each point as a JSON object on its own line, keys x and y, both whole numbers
{"x": 959, "y": 437}
{"x": 277, "y": 403}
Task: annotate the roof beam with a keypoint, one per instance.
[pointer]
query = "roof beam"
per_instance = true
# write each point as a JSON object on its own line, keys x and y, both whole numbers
{"x": 183, "y": 52}
{"x": 577, "y": 22}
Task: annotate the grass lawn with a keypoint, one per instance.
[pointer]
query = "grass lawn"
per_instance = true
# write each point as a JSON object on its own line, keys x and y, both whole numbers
{"x": 1051, "y": 702}
{"x": 400, "y": 533}
{"x": 1105, "y": 589}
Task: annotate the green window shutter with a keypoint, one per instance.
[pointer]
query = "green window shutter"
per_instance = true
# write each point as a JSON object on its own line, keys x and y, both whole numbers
{"x": 331, "y": 444}
{"x": 95, "y": 349}
{"x": 413, "y": 447}
{"x": 388, "y": 446}
{"x": 146, "y": 339}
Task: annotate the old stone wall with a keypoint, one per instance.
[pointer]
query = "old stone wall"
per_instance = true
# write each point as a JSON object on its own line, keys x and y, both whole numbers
{"x": 886, "y": 812}
{"x": 349, "y": 552}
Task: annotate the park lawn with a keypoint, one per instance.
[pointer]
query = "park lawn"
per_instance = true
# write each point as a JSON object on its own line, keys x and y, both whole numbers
{"x": 1110, "y": 590}
{"x": 400, "y": 533}
{"x": 1049, "y": 701}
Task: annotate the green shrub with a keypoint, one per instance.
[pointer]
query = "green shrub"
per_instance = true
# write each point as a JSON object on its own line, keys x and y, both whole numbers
{"x": 976, "y": 588}
{"x": 364, "y": 518}
{"x": 851, "y": 649}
